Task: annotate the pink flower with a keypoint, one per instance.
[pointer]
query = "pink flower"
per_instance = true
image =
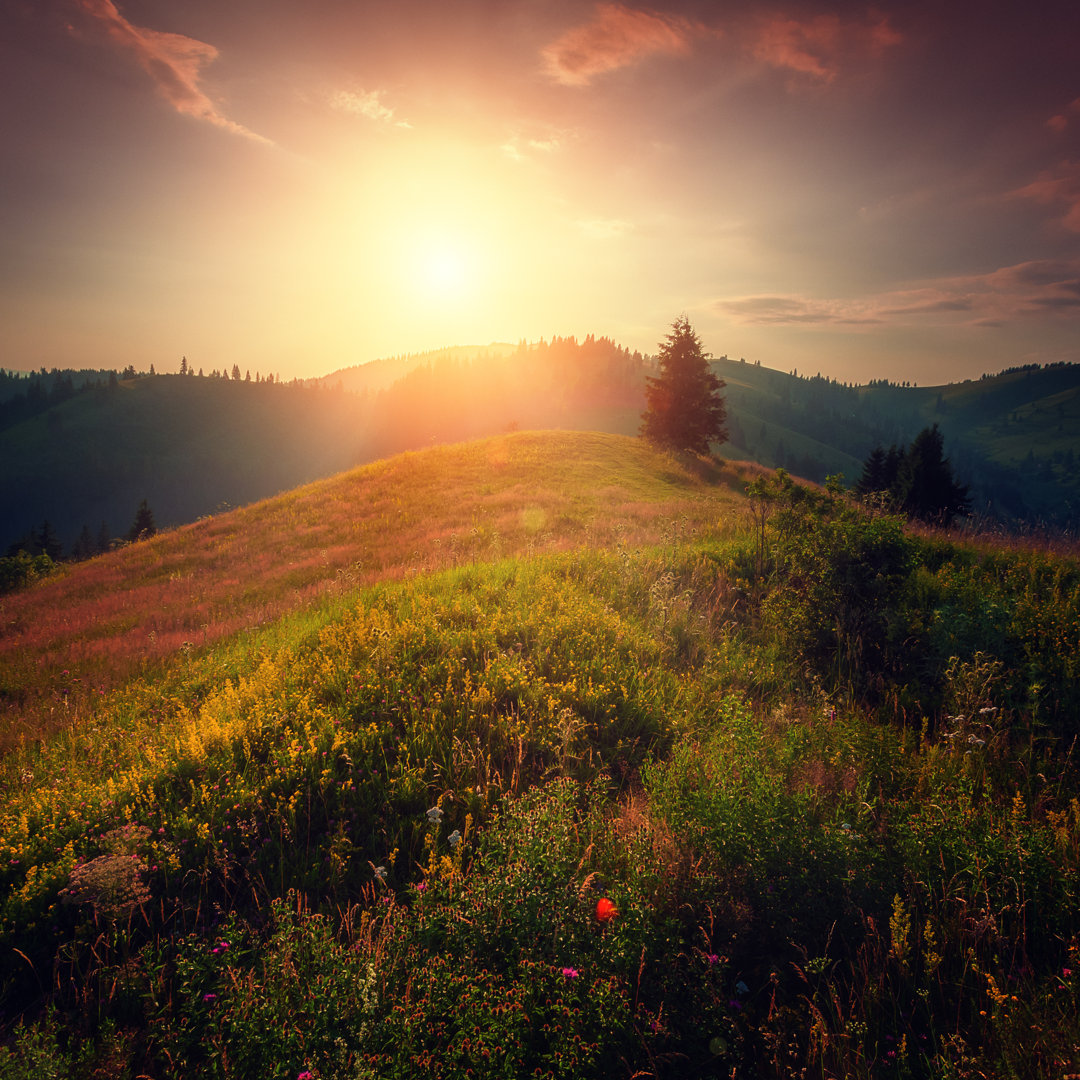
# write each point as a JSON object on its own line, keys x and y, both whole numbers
{"x": 305, "y": 1075}
{"x": 209, "y": 997}
{"x": 570, "y": 973}
{"x": 1066, "y": 972}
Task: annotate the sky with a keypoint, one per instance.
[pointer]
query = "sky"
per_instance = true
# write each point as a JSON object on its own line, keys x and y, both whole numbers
{"x": 887, "y": 191}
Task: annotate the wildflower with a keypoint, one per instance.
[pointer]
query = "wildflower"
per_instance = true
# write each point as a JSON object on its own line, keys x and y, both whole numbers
{"x": 741, "y": 988}
{"x": 380, "y": 873}
{"x": 570, "y": 973}
{"x": 434, "y": 815}
{"x": 421, "y": 886}
{"x": 305, "y": 1075}
{"x": 605, "y": 910}
{"x": 713, "y": 958}
{"x": 1066, "y": 972}
{"x": 209, "y": 997}
{"x": 454, "y": 839}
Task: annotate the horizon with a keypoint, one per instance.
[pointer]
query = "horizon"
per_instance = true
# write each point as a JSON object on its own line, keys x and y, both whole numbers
{"x": 477, "y": 350}
{"x": 868, "y": 192}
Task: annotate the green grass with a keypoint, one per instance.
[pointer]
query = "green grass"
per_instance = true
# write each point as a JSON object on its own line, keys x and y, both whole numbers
{"x": 367, "y": 836}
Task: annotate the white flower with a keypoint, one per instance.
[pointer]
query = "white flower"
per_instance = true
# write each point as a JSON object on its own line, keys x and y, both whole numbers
{"x": 434, "y": 815}
{"x": 454, "y": 839}
{"x": 380, "y": 873}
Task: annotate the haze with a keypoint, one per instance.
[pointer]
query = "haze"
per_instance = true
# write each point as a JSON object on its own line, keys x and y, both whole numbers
{"x": 869, "y": 192}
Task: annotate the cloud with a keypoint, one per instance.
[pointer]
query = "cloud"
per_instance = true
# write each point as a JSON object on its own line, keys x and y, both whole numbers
{"x": 932, "y": 307}
{"x": 1063, "y": 119}
{"x": 173, "y": 61}
{"x": 367, "y": 104}
{"x": 770, "y": 310}
{"x": 819, "y": 46}
{"x": 518, "y": 147}
{"x": 1037, "y": 288}
{"x": 616, "y": 37}
{"x": 605, "y": 228}
{"x": 1058, "y": 187}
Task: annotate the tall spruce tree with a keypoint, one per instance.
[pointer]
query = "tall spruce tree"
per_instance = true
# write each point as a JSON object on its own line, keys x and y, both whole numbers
{"x": 927, "y": 488}
{"x": 685, "y": 404}
{"x": 918, "y": 480}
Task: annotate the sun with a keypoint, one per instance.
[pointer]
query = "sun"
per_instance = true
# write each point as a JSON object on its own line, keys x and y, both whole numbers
{"x": 443, "y": 272}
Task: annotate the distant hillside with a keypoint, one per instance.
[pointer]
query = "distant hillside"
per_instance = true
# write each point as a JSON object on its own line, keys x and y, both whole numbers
{"x": 1013, "y": 437}
{"x": 186, "y": 444}
{"x": 381, "y": 374}
{"x": 81, "y": 450}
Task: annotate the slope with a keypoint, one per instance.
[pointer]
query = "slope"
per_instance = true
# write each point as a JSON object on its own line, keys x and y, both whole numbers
{"x": 374, "y": 836}
{"x": 66, "y": 641}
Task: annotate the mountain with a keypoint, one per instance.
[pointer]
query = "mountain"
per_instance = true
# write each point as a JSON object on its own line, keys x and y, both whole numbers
{"x": 84, "y": 455}
{"x": 1013, "y": 437}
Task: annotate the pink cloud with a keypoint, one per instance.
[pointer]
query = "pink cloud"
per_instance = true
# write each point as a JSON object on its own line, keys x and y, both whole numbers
{"x": 1058, "y": 187}
{"x": 820, "y": 46}
{"x": 616, "y": 37}
{"x": 1061, "y": 121}
{"x": 173, "y": 61}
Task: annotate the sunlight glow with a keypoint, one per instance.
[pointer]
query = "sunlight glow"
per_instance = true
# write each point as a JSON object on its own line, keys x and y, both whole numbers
{"x": 443, "y": 272}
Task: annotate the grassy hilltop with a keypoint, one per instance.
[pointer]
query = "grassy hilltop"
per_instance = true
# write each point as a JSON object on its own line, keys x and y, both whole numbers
{"x": 332, "y": 786}
{"x": 83, "y": 459}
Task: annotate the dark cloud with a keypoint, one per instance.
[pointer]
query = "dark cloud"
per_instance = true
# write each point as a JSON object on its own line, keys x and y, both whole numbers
{"x": 960, "y": 304}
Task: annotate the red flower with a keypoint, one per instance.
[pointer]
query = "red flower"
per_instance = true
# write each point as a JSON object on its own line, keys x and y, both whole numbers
{"x": 605, "y": 910}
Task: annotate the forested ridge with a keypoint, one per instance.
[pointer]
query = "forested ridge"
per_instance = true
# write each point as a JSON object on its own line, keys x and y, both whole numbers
{"x": 81, "y": 449}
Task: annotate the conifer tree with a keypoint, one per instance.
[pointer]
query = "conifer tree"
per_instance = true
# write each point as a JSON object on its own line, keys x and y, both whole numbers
{"x": 926, "y": 485}
{"x": 686, "y": 408}
{"x": 143, "y": 527}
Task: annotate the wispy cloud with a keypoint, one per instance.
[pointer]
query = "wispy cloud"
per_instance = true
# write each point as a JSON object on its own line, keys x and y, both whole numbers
{"x": 173, "y": 61}
{"x": 605, "y": 228}
{"x": 520, "y": 147}
{"x": 366, "y": 103}
{"x": 1069, "y": 115}
{"x": 780, "y": 310}
{"x": 616, "y": 37}
{"x": 819, "y": 47}
{"x": 1041, "y": 287}
{"x": 1058, "y": 187}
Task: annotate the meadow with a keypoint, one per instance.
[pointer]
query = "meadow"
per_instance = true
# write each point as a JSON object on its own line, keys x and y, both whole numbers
{"x": 546, "y": 755}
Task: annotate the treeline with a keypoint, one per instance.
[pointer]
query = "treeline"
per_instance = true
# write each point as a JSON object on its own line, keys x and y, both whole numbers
{"x": 561, "y": 383}
{"x": 188, "y": 444}
{"x": 38, "y": 553}
{"x": 80, "y": 447}
{"x": 25, "y": 395}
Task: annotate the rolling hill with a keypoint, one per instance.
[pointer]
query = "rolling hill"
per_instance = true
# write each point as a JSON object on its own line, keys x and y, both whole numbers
{"x": 531, "y": 756}
{"x": 191, "y": 446}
